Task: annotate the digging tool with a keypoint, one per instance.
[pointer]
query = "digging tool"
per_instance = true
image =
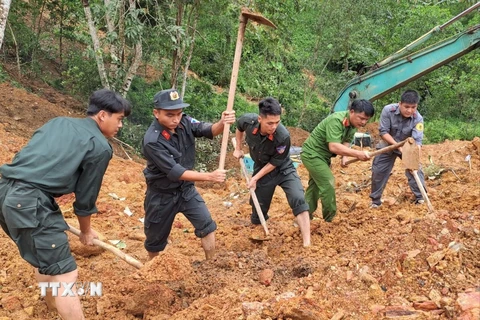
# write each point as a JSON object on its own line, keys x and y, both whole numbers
{"x": 254, "y": 198}
{"x": 245, "y": 15}
{"x": 129, "y": 259}
{"x": 384, "y": 150}
{"x": 411, "y": 160}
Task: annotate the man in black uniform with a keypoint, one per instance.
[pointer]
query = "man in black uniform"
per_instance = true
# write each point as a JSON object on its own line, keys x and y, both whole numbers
{"x": 269, "y": 144}
{"x": 169, "y": 147}
{"x": 65, "y": 155}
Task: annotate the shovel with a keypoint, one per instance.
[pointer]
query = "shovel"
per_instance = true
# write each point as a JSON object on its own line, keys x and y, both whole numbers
{"x": 254, "y": 199}
{"x": 129, "y": 259}
{"x": 411, "y": 160}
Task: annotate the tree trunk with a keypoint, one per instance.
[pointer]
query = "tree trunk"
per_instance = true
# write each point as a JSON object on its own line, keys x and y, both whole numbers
{"x": 177, "y": 54}
{"x": 190, "y": 52}
{"x": 60, "y": 37}
{"x": 115, "y": 60}
{"x": 4, "y": 8}
{"x": 133, "y": 68}
{"x": 96, "y": 45}
{"x": 137, "y": 59}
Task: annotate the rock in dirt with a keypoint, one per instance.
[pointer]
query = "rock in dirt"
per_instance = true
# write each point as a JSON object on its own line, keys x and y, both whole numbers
{"x": 11, "y": 303}
{"x": 366, "y": 277}
{"x": 266, "y": 277}
{"x": 425, "y": 305}
{"x": 139, "y": 300}
{"x": 435, "y": 258}
{"x": 252, "y": 308}
{"x": 469, "y": 300}
{"x": 476, "y": 144}
{"x": 339, "y": 315}
{"x": 294, "y": 308}
{"x": 401, "y": 312}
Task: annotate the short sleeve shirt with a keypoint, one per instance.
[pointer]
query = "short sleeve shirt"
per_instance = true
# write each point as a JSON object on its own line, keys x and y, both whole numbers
{"x": 334, "y": 128}
{"x": 170, "y": 154}
{"x": 399, "y": 127}
{"x": 65, "y": 155}
{"x": 264, "y": 149}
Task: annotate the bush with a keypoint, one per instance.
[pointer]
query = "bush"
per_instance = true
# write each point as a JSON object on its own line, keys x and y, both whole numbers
{"x": 437, "y": 131}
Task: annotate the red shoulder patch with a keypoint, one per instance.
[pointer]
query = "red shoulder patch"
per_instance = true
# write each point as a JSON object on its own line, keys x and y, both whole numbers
{"x": 165, "y": 134}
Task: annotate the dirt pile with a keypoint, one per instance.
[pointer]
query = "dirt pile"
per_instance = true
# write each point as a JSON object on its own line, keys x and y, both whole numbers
{"x": 394, "y": 262}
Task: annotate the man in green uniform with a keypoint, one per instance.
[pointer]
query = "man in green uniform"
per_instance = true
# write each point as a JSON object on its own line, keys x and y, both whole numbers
{"x": 269, "y": 144}
{"x": 169, "y": 147}
{"x": 330, "y": 138}
{"x": 65, "y": 155}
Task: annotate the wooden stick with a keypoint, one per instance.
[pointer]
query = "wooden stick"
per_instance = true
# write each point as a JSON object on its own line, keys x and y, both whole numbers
{"x": 252, "y": 193}
{"x": 122, "y": 255}
{"x": 384, "y": 150}
{"x": 422, "y": 190}
{"x": 244, "y": 16}
{"x": 233, "y": 87}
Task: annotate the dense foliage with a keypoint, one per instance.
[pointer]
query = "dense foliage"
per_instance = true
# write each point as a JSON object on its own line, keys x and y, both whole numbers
{"x": 317, "y": 47}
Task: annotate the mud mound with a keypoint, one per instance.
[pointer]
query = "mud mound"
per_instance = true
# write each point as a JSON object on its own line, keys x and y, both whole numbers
{"x": 393, "y": 262}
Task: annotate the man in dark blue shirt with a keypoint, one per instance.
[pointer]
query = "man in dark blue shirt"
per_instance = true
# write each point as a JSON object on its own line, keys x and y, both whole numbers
{"x": 269, "y": 144}
{"x": 169, "y": 147}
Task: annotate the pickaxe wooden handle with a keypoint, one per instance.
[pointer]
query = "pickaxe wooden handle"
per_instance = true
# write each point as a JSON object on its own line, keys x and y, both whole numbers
{"x": 129, "y": 259}
{"x": 384, "y": 150}
{"x": 252, "y": 193}
{"x": 244, "y": 16}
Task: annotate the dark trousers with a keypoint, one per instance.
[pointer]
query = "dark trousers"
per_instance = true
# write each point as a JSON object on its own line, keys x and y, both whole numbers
{"x": 290, "y": 182}
{"x": 382, "y": 167}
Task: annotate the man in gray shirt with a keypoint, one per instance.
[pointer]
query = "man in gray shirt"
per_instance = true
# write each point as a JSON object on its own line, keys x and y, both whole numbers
{"x": 398, "y": 121}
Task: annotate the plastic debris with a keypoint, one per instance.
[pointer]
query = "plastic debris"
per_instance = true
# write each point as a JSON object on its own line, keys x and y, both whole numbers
{"x": 114, "y": 196}
{"x": 128, "y": 212}
{"x": 120, "y": 244}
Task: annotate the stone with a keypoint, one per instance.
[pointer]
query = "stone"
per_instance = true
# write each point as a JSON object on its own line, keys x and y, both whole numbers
{"x": 266, "y": 277}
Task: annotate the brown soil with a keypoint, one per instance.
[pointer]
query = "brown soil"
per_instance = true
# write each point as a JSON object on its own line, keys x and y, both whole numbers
{"x": 392, "y": 262}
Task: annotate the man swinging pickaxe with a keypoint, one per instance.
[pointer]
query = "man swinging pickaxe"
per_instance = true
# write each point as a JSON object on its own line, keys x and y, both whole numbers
{"x": 244, "y": 17}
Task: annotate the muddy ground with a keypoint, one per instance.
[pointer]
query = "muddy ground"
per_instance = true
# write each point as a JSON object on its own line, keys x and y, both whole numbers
{"x": 396, "y": 262}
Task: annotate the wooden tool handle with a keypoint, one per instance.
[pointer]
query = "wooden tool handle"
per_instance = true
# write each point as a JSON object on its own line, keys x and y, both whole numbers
{"x": 422, "y": 190}
{"x": 384, "y": 150}
{"x": 252, "y": 193}
{"x": 129, "y": 259}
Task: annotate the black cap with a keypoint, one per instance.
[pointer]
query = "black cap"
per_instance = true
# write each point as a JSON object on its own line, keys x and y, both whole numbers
{"x": 169, "y": 100}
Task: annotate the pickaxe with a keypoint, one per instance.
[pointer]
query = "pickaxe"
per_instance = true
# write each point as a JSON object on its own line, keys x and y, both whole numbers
{"x": 245, "y": 15}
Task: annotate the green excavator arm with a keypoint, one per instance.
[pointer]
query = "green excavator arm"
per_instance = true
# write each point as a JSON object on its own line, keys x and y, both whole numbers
{"x": 396, "y": 73}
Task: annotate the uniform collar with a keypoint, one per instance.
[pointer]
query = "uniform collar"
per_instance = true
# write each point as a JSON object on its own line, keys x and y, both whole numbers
{"x": 256, "y": 131}
{"x": 397, "y": 112}
{"x": 346, "y": 120}
{"x": 167, "y": 134}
